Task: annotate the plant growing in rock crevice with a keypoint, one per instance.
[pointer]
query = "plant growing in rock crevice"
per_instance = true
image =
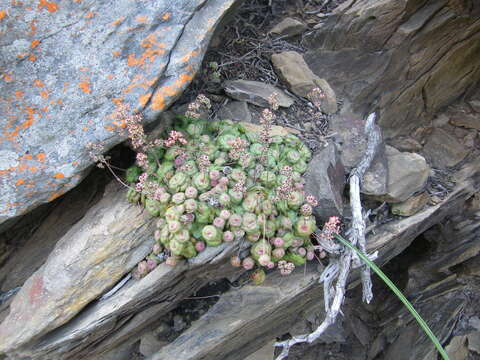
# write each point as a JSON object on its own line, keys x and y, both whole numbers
{"x": 215, "y": 182}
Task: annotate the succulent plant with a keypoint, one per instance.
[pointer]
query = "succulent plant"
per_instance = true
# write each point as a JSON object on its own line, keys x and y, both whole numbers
{"x": 222, "y": 186}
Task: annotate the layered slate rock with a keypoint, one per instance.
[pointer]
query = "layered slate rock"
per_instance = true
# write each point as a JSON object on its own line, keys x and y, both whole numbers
{"x": 408, "y": 58}
{"x": 444, "y": 150}
{"x": 94, "y": 254}
{"x": 256, "y": 92}
{"x": 66, "y": 67}
{"x": 325, "y": 179}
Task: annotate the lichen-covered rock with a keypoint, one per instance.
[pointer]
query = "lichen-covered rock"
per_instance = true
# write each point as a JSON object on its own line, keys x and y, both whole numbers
{"x": 67, "y": 66}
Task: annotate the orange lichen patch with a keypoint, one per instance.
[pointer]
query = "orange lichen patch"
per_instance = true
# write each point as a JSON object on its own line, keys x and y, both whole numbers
{"x": 120, "y": 123}
{"x": 7, "y": 77}
{"x": 142, "y": 19}
{"x": 85, "y": 87}
{"x": 182, "y": 80}
{"x": 85, "y": 129}
{"x": 116, "y": 53}
{"x": 50, "y": 6}
{"x": 34, "y": 44}
{"x": 44, "y": 109}
{"x": 20, "y": 182}
{"x": 38, "y": 83}
{"x": 44, "y": 94}
{"x": 110, "y": 76}
{"x": 187, "y": 57}
{"x": 83, "y": 69}
{"x": 56, "y": 195}
{"x": 118, "y": 21}
{"x": 158, "y": 100}
{"x": 153, "y": 49}
{"x": 166, "y": 16}
{"x": 143, "y": 99}
{"x": 75, "y": 163}
{"x": 89, "y": 15}
{"x": 41, "y": 157}
{"x": 59, "y": 102}
{"x": 58, "y": 176}
{"x": 21, "y": 168}
{"x": 109, "y": 128}
{"x": 138, "y": 82}
{"x": 19, "y": 94}
{"x": 26, "y": 157}
{"x": 33, "y": 169}
{"x": 117, "y": 101}
{"x": 33, "y": 27}
{"x": 3, "y": 14}
{"x": 32, "y": 58}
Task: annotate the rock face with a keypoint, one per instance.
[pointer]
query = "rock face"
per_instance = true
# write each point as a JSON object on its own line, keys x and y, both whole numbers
{"x": 236, "y": 111}
{"x": 407, "y": 174}
{"x": 411, "y": 205}
{"x": 256, "y": 92}
{"x": 291, "y": 67}
{"x": 409, "y": 58}
{"x": 94, "y": 254}
{"x": 325, "y": 179}
{"x": 444, "y": 150}
{"x": 289, "y": 27}
{"x": 68, "y": 65}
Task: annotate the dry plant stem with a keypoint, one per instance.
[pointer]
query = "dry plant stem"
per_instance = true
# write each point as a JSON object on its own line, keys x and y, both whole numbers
{"x": 358, "y": 236}
{"x": 358, "y": 222}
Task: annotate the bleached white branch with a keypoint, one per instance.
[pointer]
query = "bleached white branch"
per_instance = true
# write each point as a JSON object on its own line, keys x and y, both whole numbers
{"x": 341, "y": 268}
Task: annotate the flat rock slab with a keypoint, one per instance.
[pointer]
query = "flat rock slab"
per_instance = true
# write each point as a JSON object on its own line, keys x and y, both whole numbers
{"x": 444, "y": 150}
{"x": 236, "y": 111}
{"x": 293, "y": 69}
{"x": 407, "y": 174}
{"x": 289, "y": 27}
{"x": 256, "y": 92}
{"x": 68, "y": 65}
{"x": 325, "y": 179}
{"x": 90, "y": 258}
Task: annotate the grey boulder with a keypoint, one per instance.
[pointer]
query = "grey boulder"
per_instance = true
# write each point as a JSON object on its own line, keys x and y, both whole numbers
{"x": 66, "y": 68}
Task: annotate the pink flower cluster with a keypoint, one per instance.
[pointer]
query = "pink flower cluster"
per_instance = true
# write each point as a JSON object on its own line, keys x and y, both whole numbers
{"x": 285, "y": 189}
{"x": 331, "y": 227}
{"x": 194, "y": 108}
{"x": 142, "y": 160}
{"x": 286, "y": 268}
{"x": 311, "y": 200}
{"x": 203, "y": 162}
{"x": 239, "y": 146}
{"x": 141, "y": 182}
{"x": 175, "y": 136}
{"x": 134, "y": 126}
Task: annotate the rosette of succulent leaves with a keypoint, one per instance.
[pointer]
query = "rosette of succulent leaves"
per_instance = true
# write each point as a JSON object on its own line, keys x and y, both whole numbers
{"x": 211, "y": 182}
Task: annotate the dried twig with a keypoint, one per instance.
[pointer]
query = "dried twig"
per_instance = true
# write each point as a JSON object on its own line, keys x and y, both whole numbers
{"x": 340, "y": 266}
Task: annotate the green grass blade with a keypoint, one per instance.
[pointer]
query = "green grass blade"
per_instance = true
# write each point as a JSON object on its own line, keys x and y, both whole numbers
{"x": 399, "y": 294}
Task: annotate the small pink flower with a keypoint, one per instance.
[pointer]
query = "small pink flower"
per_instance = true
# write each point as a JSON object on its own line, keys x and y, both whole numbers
{"x": 199, "y": 246}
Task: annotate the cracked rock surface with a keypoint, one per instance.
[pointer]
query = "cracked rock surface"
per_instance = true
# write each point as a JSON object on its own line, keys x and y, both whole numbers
{"x": 68, "y": 65}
